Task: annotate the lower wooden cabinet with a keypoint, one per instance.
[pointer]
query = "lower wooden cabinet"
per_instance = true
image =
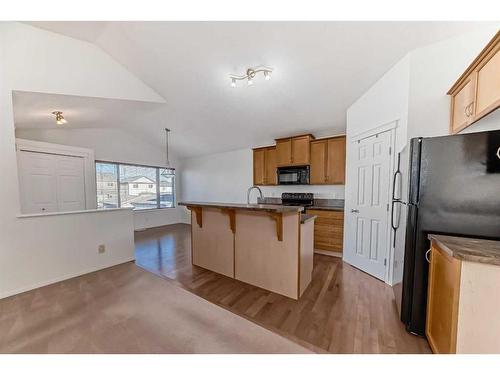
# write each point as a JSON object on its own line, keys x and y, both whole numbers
{"x": 462, "y": 297}
{"x": 328, "y": 230}
{"x": 442, "y": 301}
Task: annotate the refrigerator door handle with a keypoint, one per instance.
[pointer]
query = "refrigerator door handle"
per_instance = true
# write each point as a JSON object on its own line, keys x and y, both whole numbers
{"x": 396, "y": 174}
{"x": 427, "y": 256}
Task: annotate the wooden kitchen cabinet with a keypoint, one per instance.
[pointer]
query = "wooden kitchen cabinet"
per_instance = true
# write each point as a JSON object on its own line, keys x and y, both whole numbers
{"x": 442, "y": 301}
{"x": 477, "y": 92}
{"x": 328, "y": 161}
{"x": 462, "y": 296}
{"x": 264, "y": 166}
{"x": 270, "y": 166}
{"x": 328, "y": 230}
{"x": 293, "y": 151}
{"x": 463, "y": 105}
{"x": 319, "y": 156}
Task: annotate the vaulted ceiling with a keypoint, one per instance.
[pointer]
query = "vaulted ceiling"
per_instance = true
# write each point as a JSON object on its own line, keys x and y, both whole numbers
{"x": 320, "y": 69}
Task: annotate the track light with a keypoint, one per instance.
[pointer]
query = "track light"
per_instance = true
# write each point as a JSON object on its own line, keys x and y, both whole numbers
{"x": 250, "y": 74}
{"x": 60, "y": 120}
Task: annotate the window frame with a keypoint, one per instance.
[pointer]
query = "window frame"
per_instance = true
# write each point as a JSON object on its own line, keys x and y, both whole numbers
{"x": 158, "y": 194}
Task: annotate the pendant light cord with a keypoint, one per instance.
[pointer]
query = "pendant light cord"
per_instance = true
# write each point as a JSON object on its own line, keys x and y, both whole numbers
{"x": 166, "y": 144}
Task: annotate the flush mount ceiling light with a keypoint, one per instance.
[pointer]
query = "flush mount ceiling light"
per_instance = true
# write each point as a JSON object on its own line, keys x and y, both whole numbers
{"x": 60, "y": 120}
{"x": 250, "y": 75}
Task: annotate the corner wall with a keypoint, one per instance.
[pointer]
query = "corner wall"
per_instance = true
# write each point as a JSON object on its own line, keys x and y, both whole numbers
{"x": 40, "y": 250}
{"x": 429, "y": 72}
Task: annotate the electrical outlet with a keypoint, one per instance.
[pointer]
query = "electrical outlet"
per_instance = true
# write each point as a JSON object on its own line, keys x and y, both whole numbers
{"x": 102, "y": 249}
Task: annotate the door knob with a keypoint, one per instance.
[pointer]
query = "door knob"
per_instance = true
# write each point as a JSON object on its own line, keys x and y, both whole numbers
{"x": 354, "y": 211}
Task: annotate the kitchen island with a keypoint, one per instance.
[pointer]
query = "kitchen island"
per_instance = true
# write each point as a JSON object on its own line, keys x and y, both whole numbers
{"x": 269, "y": 246}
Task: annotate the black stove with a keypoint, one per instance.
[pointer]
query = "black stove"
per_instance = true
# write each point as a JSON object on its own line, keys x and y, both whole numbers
{"x": 297, "y": 199}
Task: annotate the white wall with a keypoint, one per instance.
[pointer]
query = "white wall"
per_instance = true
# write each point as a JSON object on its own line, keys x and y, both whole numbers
{"x": 111, "y": 144}
{"x": 226, "y": 177}
{"x": 386, "y": 101}
{"x": 39, "y": 250}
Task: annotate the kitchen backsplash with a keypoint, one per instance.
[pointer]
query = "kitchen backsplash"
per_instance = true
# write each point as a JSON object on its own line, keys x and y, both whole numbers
{"x": 317, "y": 201}
{"x": 319, "y": 191}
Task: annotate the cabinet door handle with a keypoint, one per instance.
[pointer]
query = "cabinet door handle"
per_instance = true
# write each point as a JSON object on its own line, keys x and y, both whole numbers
{"x": 466, "y": 111}
{"x": 427, "y": 256}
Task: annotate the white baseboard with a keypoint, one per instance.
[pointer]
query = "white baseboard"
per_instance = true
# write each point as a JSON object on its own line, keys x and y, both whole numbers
{"x": 329, "y": 253}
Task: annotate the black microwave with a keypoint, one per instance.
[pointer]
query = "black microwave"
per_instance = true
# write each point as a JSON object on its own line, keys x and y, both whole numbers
{"x": 293, "y": 175}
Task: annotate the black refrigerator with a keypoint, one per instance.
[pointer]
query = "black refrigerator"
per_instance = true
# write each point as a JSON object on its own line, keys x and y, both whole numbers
{"x": 454, "y": 189}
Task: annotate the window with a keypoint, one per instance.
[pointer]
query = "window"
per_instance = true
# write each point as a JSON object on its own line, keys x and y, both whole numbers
{"x": 136, "y": 186}
{"x": 106, "y": 177}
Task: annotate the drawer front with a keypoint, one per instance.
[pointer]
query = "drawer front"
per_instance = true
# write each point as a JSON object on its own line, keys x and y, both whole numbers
{"x": 327, "y": 213}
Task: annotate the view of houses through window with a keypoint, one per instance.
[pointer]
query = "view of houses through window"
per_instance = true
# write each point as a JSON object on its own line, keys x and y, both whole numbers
{"x": 137, "y": 187}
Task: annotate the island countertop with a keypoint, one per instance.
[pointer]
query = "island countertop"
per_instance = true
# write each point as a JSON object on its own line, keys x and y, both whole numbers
{"x": 242, "y": 206}
{"x": 469, "y": 249}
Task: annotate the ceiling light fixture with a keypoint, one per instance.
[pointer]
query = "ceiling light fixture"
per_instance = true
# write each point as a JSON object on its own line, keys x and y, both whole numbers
{"x": 250, "y": 74}
{"x": 60, "y": 120}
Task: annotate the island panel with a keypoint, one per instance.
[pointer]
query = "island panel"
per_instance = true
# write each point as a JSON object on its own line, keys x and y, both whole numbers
{"x": 261, "y": 259}
{"x": 212, "y": 244}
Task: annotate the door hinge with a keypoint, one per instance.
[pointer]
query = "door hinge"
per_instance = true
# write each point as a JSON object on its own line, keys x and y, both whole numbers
{"x": 390, "y": 150}
{"x": 387, "y": 207}
{"x": 385, "y": 261}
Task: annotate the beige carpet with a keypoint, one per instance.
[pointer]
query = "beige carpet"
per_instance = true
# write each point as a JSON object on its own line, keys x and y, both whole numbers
{"x": 125, "y": 309}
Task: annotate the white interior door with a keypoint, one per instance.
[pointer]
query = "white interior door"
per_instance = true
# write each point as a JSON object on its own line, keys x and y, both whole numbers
{"x": 51, "y": 183}
{"x": 367, "y": 219}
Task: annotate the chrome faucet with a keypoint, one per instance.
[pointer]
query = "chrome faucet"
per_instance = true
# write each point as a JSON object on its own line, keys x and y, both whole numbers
{"x": 250, "y": 190}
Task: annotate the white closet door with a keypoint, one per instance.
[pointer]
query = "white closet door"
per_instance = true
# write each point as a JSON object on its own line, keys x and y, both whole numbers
{"x": 38, "y": 182}
{"x": 70, "y": 183}
{"x": 51, "y": 183}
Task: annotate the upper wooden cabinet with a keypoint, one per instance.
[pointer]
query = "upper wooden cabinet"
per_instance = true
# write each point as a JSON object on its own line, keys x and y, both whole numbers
{"x": 477, "y": 91}
{"x": 264, "y": 166}
{"x": 328, "y": 161}
{"x": 293, "y": 151}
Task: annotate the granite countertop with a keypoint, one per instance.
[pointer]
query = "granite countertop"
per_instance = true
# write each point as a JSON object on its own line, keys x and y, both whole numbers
{"x": 469, "y": 249}
{"x": 254, "y": 207}
{"x": 304, "y": 218}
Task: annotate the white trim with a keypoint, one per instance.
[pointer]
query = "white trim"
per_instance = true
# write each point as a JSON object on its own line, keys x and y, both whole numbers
{"x": 389, "y": 254}
{"x": 74, "y": 212}
{"x": 88, "y": 160}
{"x": 62, "y": 278}
{"x": 377, "y": 130}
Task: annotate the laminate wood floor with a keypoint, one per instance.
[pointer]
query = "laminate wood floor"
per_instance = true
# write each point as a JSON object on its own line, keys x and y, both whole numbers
{"x": 343, "y": 310}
